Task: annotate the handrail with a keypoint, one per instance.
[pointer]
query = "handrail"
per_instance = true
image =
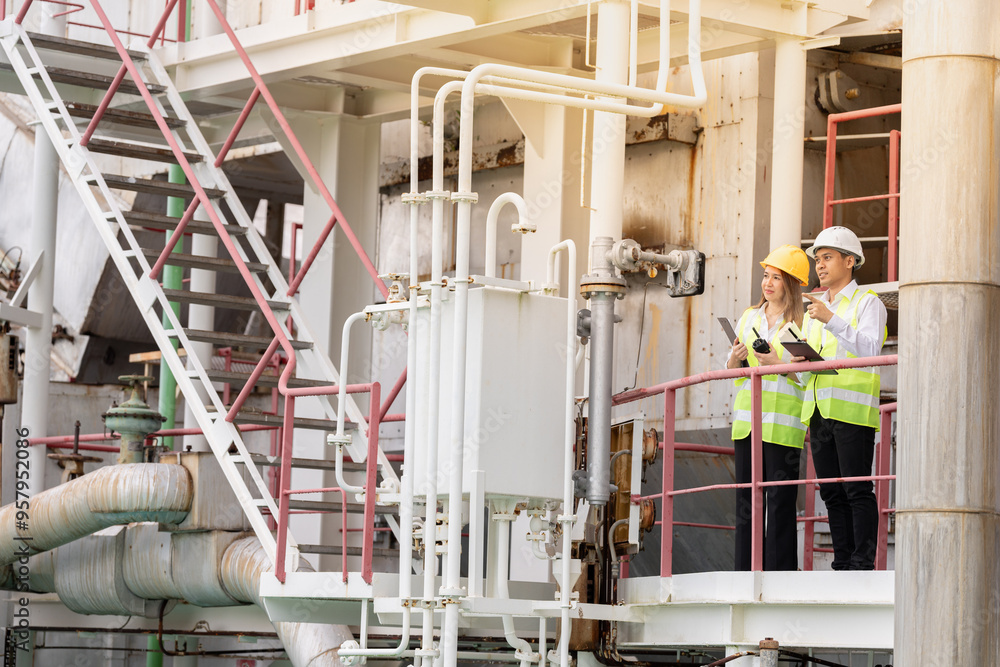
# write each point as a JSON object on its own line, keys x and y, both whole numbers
{"x": 755, "y": 374}
{"x": 373, "y": 390}
{"x": 892, "y": 196}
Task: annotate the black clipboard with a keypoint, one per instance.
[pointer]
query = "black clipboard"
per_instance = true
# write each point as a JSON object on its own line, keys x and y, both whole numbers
{"x": 800, "y": 348}
{"x": 727, "y": 326}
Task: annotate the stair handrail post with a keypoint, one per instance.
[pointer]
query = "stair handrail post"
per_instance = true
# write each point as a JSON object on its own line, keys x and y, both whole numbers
{"x": 284, "y": 484}
{"x": 174, "y": 238}
{"x": 338, "y": 215}
{"x": 126, "y": 61}
{"x": 237, "y": 127}
{"x": 251, "y": 382}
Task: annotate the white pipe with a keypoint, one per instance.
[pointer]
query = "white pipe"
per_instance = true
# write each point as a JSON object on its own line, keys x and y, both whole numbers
{"x": 569, "y": 464}
{"x": 789, "y": 133}
{"x": 491, "y": 226}
{"x": 38, "y": 341}
{"x": 345, "y": 351}
{"x": 522, "y": 648}
{"x": 200, "y": 317}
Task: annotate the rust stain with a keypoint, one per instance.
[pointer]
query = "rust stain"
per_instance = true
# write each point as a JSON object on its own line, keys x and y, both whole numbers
{"x": 688, "y": 238}
{"x": 508, "y": 157}
{"x": 650, "y": 368}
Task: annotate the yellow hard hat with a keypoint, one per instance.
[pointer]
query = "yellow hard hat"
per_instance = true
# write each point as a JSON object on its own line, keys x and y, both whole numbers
{"x": 791, "y": 260}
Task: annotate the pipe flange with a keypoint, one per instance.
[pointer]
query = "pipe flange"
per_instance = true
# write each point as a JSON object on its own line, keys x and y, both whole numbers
{"x": 470, "y": 197}
{"x": 437, "y": 194}
{"x": 609, "y": 285}
{"x": 413, "y": 198}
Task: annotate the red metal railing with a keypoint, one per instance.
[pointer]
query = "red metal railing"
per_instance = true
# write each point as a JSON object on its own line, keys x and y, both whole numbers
{"x": 892, "y": 196}
{"x": 756, "y": 485}
{"x": 374, "y": 397}
{"x": 201, "y": 199}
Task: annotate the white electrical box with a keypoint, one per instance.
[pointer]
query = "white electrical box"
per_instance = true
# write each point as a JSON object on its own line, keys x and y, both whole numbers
{"x": 515, "y": 394}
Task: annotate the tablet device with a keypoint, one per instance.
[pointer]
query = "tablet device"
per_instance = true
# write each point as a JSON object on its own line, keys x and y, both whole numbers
{"x": 727, "y": 326}
{"x": 800, "y": 348}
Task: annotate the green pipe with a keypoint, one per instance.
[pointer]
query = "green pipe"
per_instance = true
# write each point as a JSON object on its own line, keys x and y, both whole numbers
{"x": 153, "y": 656}
{"x": 172, "y": 275}
{"x": 172, "y": 279}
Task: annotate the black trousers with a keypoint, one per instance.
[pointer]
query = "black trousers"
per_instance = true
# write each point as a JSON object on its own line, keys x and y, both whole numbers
{"x": 780, "y": 548}
{"x": 840, "y": 449}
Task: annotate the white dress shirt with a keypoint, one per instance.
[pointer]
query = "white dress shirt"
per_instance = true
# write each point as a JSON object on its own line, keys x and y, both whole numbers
{"x": 865, "y": 340}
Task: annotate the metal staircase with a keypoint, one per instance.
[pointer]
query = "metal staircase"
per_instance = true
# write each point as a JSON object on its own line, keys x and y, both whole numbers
{"x": 46, "y": 67}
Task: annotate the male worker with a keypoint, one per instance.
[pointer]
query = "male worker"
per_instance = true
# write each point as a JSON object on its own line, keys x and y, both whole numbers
{"x": 842, "y": 410}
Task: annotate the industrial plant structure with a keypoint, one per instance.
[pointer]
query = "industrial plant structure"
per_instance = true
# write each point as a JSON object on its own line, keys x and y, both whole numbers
{"x": 354, "y": 331}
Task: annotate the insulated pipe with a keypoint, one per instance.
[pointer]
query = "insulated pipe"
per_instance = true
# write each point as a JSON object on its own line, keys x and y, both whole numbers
{"x": 109, "y": 496}
{"x": 237, "y": 569}
{"x": 491, "y": 226}
{"x": 789, "y": 134}
{"x": 38, "y": 341}
{"x": 948, "y": 501}
{"x": 567, "y": 517}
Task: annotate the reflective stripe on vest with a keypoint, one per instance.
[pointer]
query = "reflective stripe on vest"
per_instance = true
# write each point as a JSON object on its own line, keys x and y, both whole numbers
{"x": 852, "y": 395}
{"x": 781, "y": 399}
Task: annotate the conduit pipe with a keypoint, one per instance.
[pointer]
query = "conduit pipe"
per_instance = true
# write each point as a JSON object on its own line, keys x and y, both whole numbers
{"x": 109, "y": 496}
{"x": 491, "y": 226}
{"x": 340, "y": 438}
{"x": 567, "y": 518}
{"x": 522, "y": 648}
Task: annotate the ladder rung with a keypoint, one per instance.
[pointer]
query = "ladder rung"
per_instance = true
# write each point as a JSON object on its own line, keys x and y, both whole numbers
{"x": 201, "y": 262}
{"x": 221, "y": 300}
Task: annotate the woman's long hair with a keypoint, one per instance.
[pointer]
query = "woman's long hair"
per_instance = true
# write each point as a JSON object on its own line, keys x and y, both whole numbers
{"x": 792, "y": 309}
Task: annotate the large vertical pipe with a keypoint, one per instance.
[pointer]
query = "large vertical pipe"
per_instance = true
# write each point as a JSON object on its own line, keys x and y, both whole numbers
{"x": 607, "y": 186}
{"x": 200, "y": 317}
{"x": 173, "y": 277}
{"x": 789, "y": 134}
{"x": 948, "y": 530}
{"x": 38, "y": 347}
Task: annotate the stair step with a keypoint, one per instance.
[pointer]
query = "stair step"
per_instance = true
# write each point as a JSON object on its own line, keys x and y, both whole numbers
{"x": 97, "y": 81}
{"x": 153, "y": 187}
{"x": 331, "y": 550}
{"x": 239, "y": 379}
{"x": 278, "y": 420}
{"x": 138, "y": 151}
{"x": 121, "y": 117}
{"x": 220, "y": 300}
{"x": 233, "y": 339}
{"x": 52, "y": 43}
{"x": 311, "y": 464}
{"x": 323, "y": 506}
{"x": 202, "y": 262}
{"x": 159, "y": 221}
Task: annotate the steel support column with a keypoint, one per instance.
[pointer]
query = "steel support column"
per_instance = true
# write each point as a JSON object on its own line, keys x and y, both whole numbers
{"x": 788, "y": 152}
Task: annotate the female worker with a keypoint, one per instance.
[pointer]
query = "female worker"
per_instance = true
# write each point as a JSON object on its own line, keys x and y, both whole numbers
{"x": 786, "y": 270}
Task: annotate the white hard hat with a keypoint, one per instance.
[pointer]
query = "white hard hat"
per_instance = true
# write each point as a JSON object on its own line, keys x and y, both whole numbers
{"x": 838, "y": 238}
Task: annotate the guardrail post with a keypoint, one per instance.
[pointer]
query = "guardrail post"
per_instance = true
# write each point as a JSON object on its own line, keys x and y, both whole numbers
{"x": 809, "y": 533}
{"x": 882, "y": 464}
{"x": 756, "y": 477}
{"x": 667, "y": 504}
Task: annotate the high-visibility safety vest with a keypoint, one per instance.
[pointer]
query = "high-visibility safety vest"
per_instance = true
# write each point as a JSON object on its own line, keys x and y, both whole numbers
{"x": 852, "y": 395}
{"x": 781, "y": 399}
